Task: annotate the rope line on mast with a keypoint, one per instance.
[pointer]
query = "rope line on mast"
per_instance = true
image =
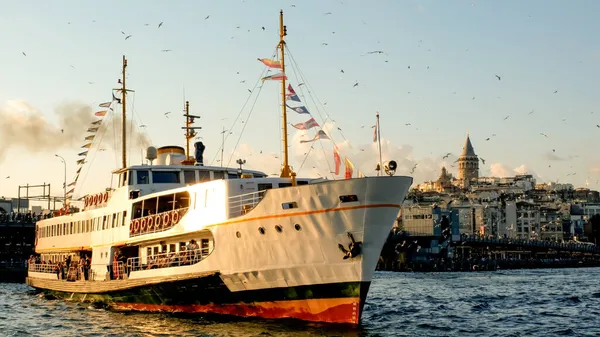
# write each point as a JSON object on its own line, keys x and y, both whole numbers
{"x": 262, "y": 74}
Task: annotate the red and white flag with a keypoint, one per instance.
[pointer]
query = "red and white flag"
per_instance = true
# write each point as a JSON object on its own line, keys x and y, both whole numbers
{"x": 337, "y": 159}
{"x": 309, "y": 124}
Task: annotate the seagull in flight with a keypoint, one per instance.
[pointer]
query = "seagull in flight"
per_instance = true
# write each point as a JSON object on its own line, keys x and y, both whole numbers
{"x": 543, "y": 134}
{"x": 127, "y": 37}
{"x": 166, "y": 50}
{"x": 447, "y": 155}
{"x": 167, "y": 113}
{"x": 160, "y": 24}
{"x": 24, "y": 53}
{"x": 498, "y": 77}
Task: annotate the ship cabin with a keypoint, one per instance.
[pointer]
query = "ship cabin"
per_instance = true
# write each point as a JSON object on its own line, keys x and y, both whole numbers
{"x": 133, "y": 219}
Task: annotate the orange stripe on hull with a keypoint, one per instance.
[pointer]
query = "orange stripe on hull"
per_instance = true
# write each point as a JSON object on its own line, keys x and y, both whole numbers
{"x": 329, "y": 310}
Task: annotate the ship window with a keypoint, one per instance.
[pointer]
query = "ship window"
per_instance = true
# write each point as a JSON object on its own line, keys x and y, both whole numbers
{"x": 172, "y": 248}
{"x": 218, "y": 175}
{"x": 289, "y": 205}
{"x": 232, "y": 176}
{"x": 261, "y": 230}
{"x": 142, "y": 177}
{"x": 165, "y": 177}
{"x": 285, "y": 184}
{"x": 238, "y": 234}
{"x": 163, "y": 249}
{"x": 131, "y": 177}
{"x": 123, "y": 179}
{"x": 149, "y": 206}
{"x": 297, "y": 226}
{"x": 263, "y": 186}
{"x": 348, "y": 198}
{"x": 203, "y": 176}
{"x": 104, "y": 222}
{"x": 155, "y": 251}
{"x": 149, "y": 251}
{"x": 124, "y": 215}
{"x": 70, "y": 228}
{"x": 302, "y": 182}
{"x": 182, "y": 200}
{"x": 189, "y": 177}
{"x": 278, "y": 229}
{"x": 181, "y": 245}
{"x": 165, "y": 203}
{"x": 114, "y": 220}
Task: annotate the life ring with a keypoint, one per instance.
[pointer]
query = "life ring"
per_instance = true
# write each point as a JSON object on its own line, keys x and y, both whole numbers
{"x": 150, "y": 222}
{"x": 86, "y": 201}
{"x": 158, "y": 222}
{"x": 136, "y": 225}
{"x": 105, "y": 196}
{"x": 175, "y": 218}
{"x": 143, "y": 223}
{"x": 166, "y": 220}
{"x": 95, "y": 198}
{"x": 100, "y": 198}
{"x": 131, "y": 230}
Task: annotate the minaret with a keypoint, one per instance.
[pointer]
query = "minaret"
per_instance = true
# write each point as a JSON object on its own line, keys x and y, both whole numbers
{"x": 468, "y": 163}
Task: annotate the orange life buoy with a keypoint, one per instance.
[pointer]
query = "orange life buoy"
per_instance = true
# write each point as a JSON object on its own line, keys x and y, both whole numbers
{"x": 105, "y": 199}
{"x": 175, "y": 217}
{"x": 131, "y": 229}
{"x": 99, "y": 198}
{"x": 136, "y": 224}
{"x": 86, "y": 202}
{"x": 143, "y": 223}
{"x": 157, "y": 222}
{"x": 150, "y": 222}
{"x": 95, "y": 198}
{"x": 166, "y": 220}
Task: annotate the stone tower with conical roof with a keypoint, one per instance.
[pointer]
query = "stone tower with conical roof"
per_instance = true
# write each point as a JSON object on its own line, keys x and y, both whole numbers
{"x": 468, "y": 163}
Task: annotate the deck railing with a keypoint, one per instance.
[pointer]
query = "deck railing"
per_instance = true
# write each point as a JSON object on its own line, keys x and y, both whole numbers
{"x": 167, "y": 260}
{"x": 42, "y": 268}
{"x": 155, "y": 223}
{"x": 244, "y": 203}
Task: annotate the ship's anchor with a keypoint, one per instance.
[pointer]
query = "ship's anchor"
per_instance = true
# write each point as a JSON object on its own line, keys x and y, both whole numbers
{"x": 353, "y": 249}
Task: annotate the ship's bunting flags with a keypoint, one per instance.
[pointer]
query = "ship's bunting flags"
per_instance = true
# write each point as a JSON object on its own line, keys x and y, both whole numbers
{"x": 270, "y": 63}
{"x": 73, "y": 183}
{"x": 100, "y": 113}
{"x": 86, "y": 146}
{"x": 90, "y": 137}
{"x": 337, "y": 159}
{"x": 79, "y": 170}
{"x": 276, "y": 77}
{"x": 349, "y": 168}
{"x": 92, "y": 130}
{"x": 97, "y": 122}
{"x": 374, "y": 133}
{"x": 81, "y": 161}
{"x": 115, "y": 98}
{"x": 299, "y": 109}
{"x": 71, "y": 191}
{"x": 84, "y": 153}
{"x": 105, "y": 104}
{"x": 320, "y": 135}
{"x": 309, "y": 124}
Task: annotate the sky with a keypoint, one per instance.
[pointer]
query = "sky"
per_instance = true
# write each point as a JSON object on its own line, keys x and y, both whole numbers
{"x": 435, "y": 81}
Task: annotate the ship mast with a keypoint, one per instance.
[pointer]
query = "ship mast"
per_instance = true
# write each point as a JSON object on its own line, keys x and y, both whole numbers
{"x": 189, "y": 134}
{"x": 286, "y": 171}
{"x": 124, "y": 110}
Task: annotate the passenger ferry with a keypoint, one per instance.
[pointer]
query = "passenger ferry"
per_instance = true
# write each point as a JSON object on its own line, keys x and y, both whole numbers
{"x": 179, "y": 236}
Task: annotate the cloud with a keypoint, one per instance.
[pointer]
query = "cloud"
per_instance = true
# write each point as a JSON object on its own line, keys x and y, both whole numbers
{"x": 501, "y": 170}
{"x": 551, "y": 156}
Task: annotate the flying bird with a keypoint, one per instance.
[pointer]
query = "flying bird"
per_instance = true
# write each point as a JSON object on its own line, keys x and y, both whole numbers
{"x": 143, "y": 126}
{"x": 166, "y": 114}
{"x": 447, "y": 155}
{"x": 413, "y": 169}
{"x": 160, "y": 24}
{"x": 328, "y": 13}
{"x": 482, "y": 160}
{"x": 543, "y": 134}
{"x": 24, "y": 53}
{"x": 128, "y": 36}
{"x": 206, "y": 18}
{"x": 7, "y": 177}
{"x": 375, "y": 52}
{"x": 498, "y": 77}
{"x": 166, "y": 50}
{"x": 355, "y": 85}
{"x": 530, "y": 112}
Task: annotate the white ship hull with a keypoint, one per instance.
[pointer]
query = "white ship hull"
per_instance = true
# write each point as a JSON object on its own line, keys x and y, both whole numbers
{"x": 272, "y": 262}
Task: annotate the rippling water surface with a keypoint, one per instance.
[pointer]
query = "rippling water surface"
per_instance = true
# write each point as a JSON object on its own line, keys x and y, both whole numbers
{"x": 552, "y": 302}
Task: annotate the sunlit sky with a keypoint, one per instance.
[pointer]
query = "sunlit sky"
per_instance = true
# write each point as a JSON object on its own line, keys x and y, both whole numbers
{"x": 435, "y": 82}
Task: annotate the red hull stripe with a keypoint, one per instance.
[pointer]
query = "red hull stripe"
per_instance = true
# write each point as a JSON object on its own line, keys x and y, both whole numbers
{"x": 331, "y": 310}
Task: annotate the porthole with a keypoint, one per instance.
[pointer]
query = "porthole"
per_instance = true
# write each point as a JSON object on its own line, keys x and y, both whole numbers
{"x": 238, "y": 234}
{"x": 278, "y": 229}
{"x": 261, "y": 230}
{"x": 297, "y": 226}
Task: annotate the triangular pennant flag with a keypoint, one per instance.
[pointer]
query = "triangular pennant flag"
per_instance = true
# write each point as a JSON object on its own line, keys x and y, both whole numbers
{"x": 349, "y": 168}
{"x": 115, "y": 98}
{"x": 84, "y": 153}
{"x": 270, "y": 63}
{"x": 81, "y": 161}
{"x": 374, "y": 133}
{"x": 294, "y": 98}
{"x": 71, "y": 191}
{"x": 309, "y": 124}
{"x": 337, "y": 160}
{"x": 86, "y": 146}
{"x": 361, "y": 175}
{"x": 97, "y": 122}
{"x": 105, "y": 104}
{"x": 90, "y": 137}
{"x": 100, "y": 113}
{"x": 299, "y": 109}
{"x": 278, "y": 76}
{"x": 78, "y": 170}
{"x": 72, "y": 184}
{"x": 92, "y": 129}
{"x": 320, "y": 135}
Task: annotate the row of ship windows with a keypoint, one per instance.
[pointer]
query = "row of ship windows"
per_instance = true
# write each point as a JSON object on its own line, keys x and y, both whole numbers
{"x": 278, "y": 229}
{"x": 83, "y": 226}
